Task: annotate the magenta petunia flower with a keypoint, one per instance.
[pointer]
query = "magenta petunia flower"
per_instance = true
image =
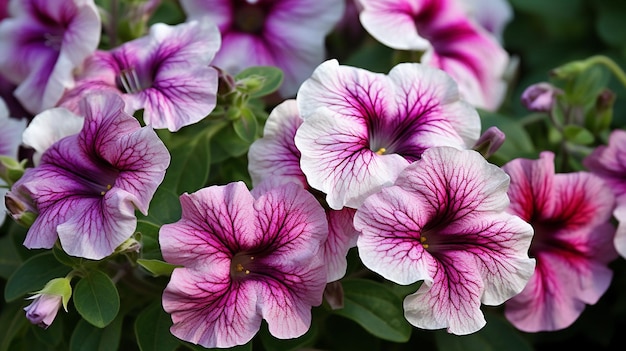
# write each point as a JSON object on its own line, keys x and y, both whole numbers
{"x": 87, "y": 185}
{"x": 609, "y": 163}
{"x": 444, "y": 222}
{"x": 449, "y": 39}
{"x": 10, "y": 139}
{"x": 47, "y": 41}
{"x": 573, "y": 242}
{"x": 166, "y": 73}
{"x": 275, "y": 158}
{"x": 288, "y": 34}
{"x": 361, "y": 129}
{"x": 245, "y": 259}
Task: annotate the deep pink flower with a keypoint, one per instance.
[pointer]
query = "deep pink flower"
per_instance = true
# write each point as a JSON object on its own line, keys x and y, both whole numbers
{"x": 444, "y": 222}
{"x": 573, "y": 242}
{"x": 449, "y": 39}
{"x": 165, "y": 73}
{"x": 609, "y": 163}
{"x": 47, "y": 41}
{"x": 288, "y": 34}
{"x": 87, "y": 185}
{"x": 245, "y": 259}
{"x": 275, "y": 158}
{"x": 361, "y": 129}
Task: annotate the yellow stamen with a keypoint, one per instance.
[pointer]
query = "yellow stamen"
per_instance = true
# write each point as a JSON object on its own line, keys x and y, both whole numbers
{"x": 422, "y": 239}
{"x": 239, "y": 268}
{"x": 247, "y": 271}
{"x": 381, "y": 151}
{"x": 425, "y": 246}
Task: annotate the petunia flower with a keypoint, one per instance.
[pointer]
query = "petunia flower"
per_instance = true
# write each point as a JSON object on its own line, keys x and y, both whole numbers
{"x": 245, "y": 259}
{"x": 606, "y": 161}
{"x": 275, "y": 158}
{"x": 573, "y": 242}
{"x": 288, "y": 34}
{"x": 451, "y": 41}
{"x": 87, "y": 185}
{"x": 444, "y": 223}
{"x": 47, "y": 41}
{"x": 48, "y": 127}
{"x": 492, "y": 15}
{"x": 165, "y": 73}
{"x": 10, "y": 139}
{"x": 361, "y": 129}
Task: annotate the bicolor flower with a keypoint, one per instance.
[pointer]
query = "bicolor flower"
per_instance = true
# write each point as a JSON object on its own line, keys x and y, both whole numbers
{"x": 165, "y": 73}
{"x": 288, "y": 34}
{"x": 48, "y": 127}
{"x": 10, "y": 139}
{"x": 451, "y": 41}
{"x": 244, "y": 259}
{"x": 606, "y": 161}
{"x": 444, "y": 223}
{"x": 275, "y": 158}
{"x": 87, "y": 185}
{"x": 361, "y": 129}
{"x": 47, "y": 41}
{"x": 573, "y": 242}
{"x": 493, "y": 15}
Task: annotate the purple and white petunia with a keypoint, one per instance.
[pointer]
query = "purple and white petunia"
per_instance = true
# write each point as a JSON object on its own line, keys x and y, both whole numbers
{"x": 492, "y": 15}
{"x": 245, "y": 259}
{"x": 573, "y": 242}
{"x": 450, "y": 41}
{"x": 361, "y": 129}
{"x": 275, "y": 158}
{"x": 47, "y": 41}
{"x": 10, "y": 139}
{"x": 607, "y": 161}
{"x": 87, "y": 185}
{"x": 165, "y": 73}
{"x": 288, "y": 34}
{"x": 444, "y": 223}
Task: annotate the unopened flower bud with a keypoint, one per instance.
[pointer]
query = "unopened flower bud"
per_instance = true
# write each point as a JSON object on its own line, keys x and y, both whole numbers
{"x": 540, "y": 97}
{"x": 21, "y": 208}
{"x": 47, "y": 301}
{"x": 226, "y": 82}
{"x": 490, "y": 141}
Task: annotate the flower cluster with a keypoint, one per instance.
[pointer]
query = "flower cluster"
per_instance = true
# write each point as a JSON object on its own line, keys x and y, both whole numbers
{"x": 239, "y": 173}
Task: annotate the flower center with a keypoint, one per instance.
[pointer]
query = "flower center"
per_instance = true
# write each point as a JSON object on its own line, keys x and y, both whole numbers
{"x": 128, "y": 81}
{"x": 241, "y": 265}
{"x": 423, "y": 241}
{"x": 249, "y": 17}
{"x": 53, "y": 41}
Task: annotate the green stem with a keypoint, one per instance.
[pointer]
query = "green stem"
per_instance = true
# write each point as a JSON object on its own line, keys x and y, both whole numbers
{"x": 610, "y": 64}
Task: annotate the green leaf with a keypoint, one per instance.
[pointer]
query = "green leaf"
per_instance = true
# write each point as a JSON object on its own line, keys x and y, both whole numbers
{"x": 517, "y": 142}
{"x": 148, "y": 234}
{"x": 376, "y": 308}
{"x": 9, "y": 258}
{"x": 88, "y": 337}
{"x": 157, "y": 267}
{"x": 63, "y": 257}
{"x": 33, "y": 274}
{"x": 496, "y": 335}
{"x": 12, "y": 322}
{"x": 152, "y": 330}
{"x": 246, "y": 126}
{"x": 164, "y": 207}
{"x": 189, "y": 166}
{"x": 271, "y": 78}
{"x": 96, "y": 299}
{"x": 578, "y": 135}
{"x": 52, "y": 336}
